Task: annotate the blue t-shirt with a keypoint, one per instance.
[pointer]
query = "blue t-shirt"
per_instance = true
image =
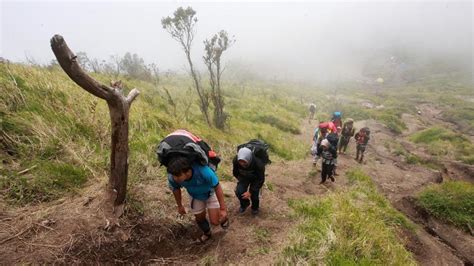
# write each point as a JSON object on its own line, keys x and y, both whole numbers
{"x": 201, "y": 185}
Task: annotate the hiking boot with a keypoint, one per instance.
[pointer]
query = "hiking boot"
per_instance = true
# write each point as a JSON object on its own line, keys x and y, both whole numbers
{"x": 225, "y": 223}
{"x": 322, "y": 182}
{"x": 242, "y": 209}
{"x": 255, "y": 212}
{"x": 332, "y": 178}
{"x": 205, "y": 237}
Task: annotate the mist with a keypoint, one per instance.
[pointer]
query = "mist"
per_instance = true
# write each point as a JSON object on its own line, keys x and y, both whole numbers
{"x": 305, "y": 41}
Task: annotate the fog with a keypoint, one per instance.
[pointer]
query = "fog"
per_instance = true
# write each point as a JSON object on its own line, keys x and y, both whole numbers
{"x": 299, "y": 41}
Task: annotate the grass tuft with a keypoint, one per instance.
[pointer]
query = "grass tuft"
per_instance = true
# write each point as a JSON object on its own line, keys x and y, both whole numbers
{"x": 452, "y": 201}
{"x": 357, "y": 226}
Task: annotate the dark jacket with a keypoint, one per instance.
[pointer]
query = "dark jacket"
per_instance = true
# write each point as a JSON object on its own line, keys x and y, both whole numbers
{"x": 256, "y": 169}
{"x": 328, "y": 155}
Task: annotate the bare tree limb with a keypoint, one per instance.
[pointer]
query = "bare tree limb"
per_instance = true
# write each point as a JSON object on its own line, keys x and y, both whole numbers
{"x": 119, "y": 107}
{"x": 132, "y": 95}
{"x": 68, "y": 62}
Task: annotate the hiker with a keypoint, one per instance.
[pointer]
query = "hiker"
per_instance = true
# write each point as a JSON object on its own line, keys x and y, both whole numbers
{"x": 312, "y": 111}
{"x": 362, "y": 138}
{"x": 328, "y": 153}
{"x": 187, "y": 159}
{"x": 320, "y": 133}
{"x": 249, "y": 169}
{"x": 337, "y": 119}
{"x": 347, "y": 132}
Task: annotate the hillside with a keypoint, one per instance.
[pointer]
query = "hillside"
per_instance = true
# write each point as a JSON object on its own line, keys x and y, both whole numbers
{"x": 54, "y": 153}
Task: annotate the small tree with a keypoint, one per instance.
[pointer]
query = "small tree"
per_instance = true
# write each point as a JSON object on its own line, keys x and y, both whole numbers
{"x": 181, "y": 28}
{"x": 119, "y": 107}
{"x": 134, "y": 66}
{"x": 214, "y": 48}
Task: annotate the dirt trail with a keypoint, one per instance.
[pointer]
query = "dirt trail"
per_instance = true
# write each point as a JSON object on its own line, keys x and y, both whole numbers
{"x": 71, "y": 230}
{"x": 434, "y": 243}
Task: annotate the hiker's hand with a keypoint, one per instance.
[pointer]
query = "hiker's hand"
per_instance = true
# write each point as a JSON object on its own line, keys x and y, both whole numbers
{"x": 181, "y": 210}
{"x": 223, "y": 214}
{"x": 246, "y": 195}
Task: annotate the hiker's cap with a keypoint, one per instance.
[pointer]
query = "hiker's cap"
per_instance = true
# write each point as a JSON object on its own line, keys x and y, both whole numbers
{"x": 245, "y": 154}
{"x": 325, "y": 143}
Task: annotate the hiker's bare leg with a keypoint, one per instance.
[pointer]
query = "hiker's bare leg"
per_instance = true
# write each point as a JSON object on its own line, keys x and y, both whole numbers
{"x": 214, "y": 215}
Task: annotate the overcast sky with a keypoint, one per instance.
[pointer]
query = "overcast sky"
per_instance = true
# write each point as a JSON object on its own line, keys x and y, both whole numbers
{"x": 296, "y": 39}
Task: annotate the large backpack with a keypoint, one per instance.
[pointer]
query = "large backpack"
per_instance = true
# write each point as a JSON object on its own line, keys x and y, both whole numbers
{"x": 333, "y": 139}
{"x": 184, "y": 143}
{"x": 258, "y": 148}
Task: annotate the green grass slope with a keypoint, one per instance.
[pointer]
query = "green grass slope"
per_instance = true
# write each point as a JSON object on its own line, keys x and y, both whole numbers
{"x": 60, "y": 134}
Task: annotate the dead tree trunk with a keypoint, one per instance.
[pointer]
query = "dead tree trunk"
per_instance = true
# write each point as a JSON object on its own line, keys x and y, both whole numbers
{"x": 119, "y": 107}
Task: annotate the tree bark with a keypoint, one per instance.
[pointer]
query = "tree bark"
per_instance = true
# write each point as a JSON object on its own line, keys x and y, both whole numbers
{"x": 119, "y": 107}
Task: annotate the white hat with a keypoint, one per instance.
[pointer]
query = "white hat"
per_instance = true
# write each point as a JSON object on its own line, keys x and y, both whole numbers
{"x": 325, "y": 143}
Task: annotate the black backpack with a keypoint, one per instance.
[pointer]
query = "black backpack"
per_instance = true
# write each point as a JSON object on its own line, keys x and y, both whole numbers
{"x": 367, "y": 131}
{"x": 258, "y": 148}
{"x": 184, "y": 143}
{"x": 333, "y": 139}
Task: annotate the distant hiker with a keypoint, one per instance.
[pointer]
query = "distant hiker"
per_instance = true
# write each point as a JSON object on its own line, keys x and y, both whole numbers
{"x": 347, "y": 132}
{"x": 337, "y": 119}
{"x": 329, "y": 154}
{"x": 312, "y": 111}
{"x": 187, "y": 160}
{"x": 249, "y": 169}
{"x": 362, "y": 139}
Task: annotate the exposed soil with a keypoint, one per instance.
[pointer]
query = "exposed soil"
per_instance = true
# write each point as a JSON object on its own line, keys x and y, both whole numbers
{"x": 71, "y": 230}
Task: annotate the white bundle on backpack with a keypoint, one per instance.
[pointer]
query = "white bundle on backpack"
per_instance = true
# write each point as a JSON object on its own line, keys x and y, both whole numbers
{"x": 314, "y": 149}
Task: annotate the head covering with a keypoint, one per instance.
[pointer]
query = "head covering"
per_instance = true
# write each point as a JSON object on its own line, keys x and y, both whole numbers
{"x": 350, "y": 120}
{"x": 245, "y": 154}
{"x": 325, "y": 143}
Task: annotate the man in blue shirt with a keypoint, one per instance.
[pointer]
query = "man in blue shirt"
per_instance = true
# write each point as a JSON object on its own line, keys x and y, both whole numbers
{"x": 203, "y": 186}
